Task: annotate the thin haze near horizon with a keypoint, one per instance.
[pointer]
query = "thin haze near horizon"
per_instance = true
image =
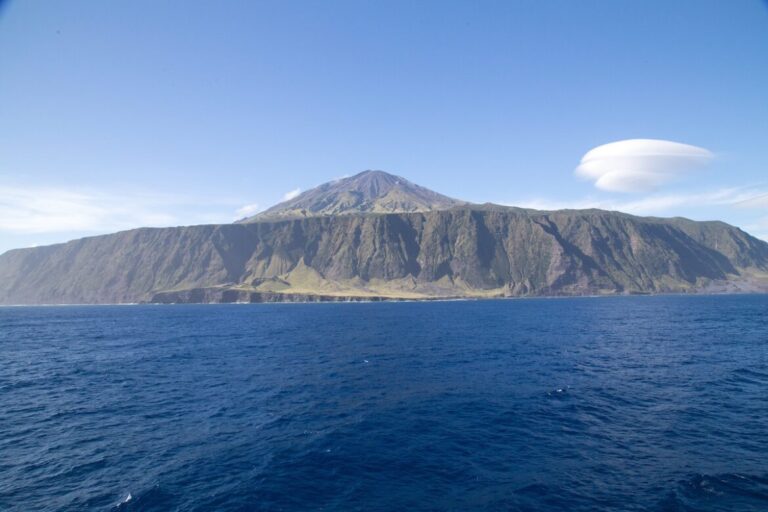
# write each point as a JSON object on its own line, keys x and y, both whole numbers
{"x": 121, "y": 115}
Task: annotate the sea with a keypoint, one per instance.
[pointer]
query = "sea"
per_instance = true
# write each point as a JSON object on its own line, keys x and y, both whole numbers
{"x": 654, "y": 403}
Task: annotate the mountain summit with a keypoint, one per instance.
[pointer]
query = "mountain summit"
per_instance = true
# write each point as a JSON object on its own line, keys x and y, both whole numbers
{"x": 366, "y": 192}
{"x": 375, "y": 236}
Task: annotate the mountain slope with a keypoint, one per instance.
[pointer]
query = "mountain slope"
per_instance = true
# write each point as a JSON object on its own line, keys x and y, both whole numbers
{"x": 469, "y": 251}
{"x": 366, "y": 192}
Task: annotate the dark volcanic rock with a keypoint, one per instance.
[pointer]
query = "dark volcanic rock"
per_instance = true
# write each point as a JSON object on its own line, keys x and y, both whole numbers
{"x": 234, "y": 296}
{"x": 464, "y": 251}
{"x": 366, "y": 192}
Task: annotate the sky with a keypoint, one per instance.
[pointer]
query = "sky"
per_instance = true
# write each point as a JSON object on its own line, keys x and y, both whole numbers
{"x": 116, "y": 115}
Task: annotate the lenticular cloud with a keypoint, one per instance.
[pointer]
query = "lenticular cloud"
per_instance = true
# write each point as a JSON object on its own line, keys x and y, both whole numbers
{"x": 640, "y": 165}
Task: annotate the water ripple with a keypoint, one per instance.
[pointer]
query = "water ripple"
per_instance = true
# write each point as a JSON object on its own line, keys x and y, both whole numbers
{"x": 626, "y": 403}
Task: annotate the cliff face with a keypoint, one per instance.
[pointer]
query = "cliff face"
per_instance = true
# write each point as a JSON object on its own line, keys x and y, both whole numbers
{"x": 461, "y": 252}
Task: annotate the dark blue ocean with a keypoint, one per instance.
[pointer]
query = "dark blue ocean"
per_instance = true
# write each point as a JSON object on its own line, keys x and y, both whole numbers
{"x": 620, "y": 404}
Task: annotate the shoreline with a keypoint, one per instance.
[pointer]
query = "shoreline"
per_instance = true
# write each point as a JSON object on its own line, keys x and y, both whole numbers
{"x": 394, "y": 300}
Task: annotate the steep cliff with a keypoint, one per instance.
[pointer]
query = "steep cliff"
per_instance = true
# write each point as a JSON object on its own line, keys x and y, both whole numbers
{"x": 466, "y": 251}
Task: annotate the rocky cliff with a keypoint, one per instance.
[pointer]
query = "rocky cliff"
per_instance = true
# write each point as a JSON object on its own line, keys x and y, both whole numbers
{"x": 464, "y": 251}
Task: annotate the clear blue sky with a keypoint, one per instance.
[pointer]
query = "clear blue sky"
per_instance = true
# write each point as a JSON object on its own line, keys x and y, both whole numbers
{"x": 120, "y": 114}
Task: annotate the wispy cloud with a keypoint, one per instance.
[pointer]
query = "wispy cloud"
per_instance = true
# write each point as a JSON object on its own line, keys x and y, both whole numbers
{"x": 759, "y": 201}
{"x": 36, "y": 210}
{"x": 290, "y": 195}
{"x": 640, "y": 165}
{"x": 652, "y": 204}
{"x": 247, "y": 210}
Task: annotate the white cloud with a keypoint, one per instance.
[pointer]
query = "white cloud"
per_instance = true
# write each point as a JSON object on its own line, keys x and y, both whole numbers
{"x": 660, "y": 203}
{"x": 652, "y": 204}
{"x": 759, "y": 201}
{"x": 46, "y": 210}
{"x": 640, "y": 165}
{"x": 247, "y": 210}
{"x": 37, "y": 210}
{"x": 290, "y": 195}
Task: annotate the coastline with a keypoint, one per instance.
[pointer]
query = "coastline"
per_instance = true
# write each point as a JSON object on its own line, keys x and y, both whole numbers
{"x": 402, "y": 300}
